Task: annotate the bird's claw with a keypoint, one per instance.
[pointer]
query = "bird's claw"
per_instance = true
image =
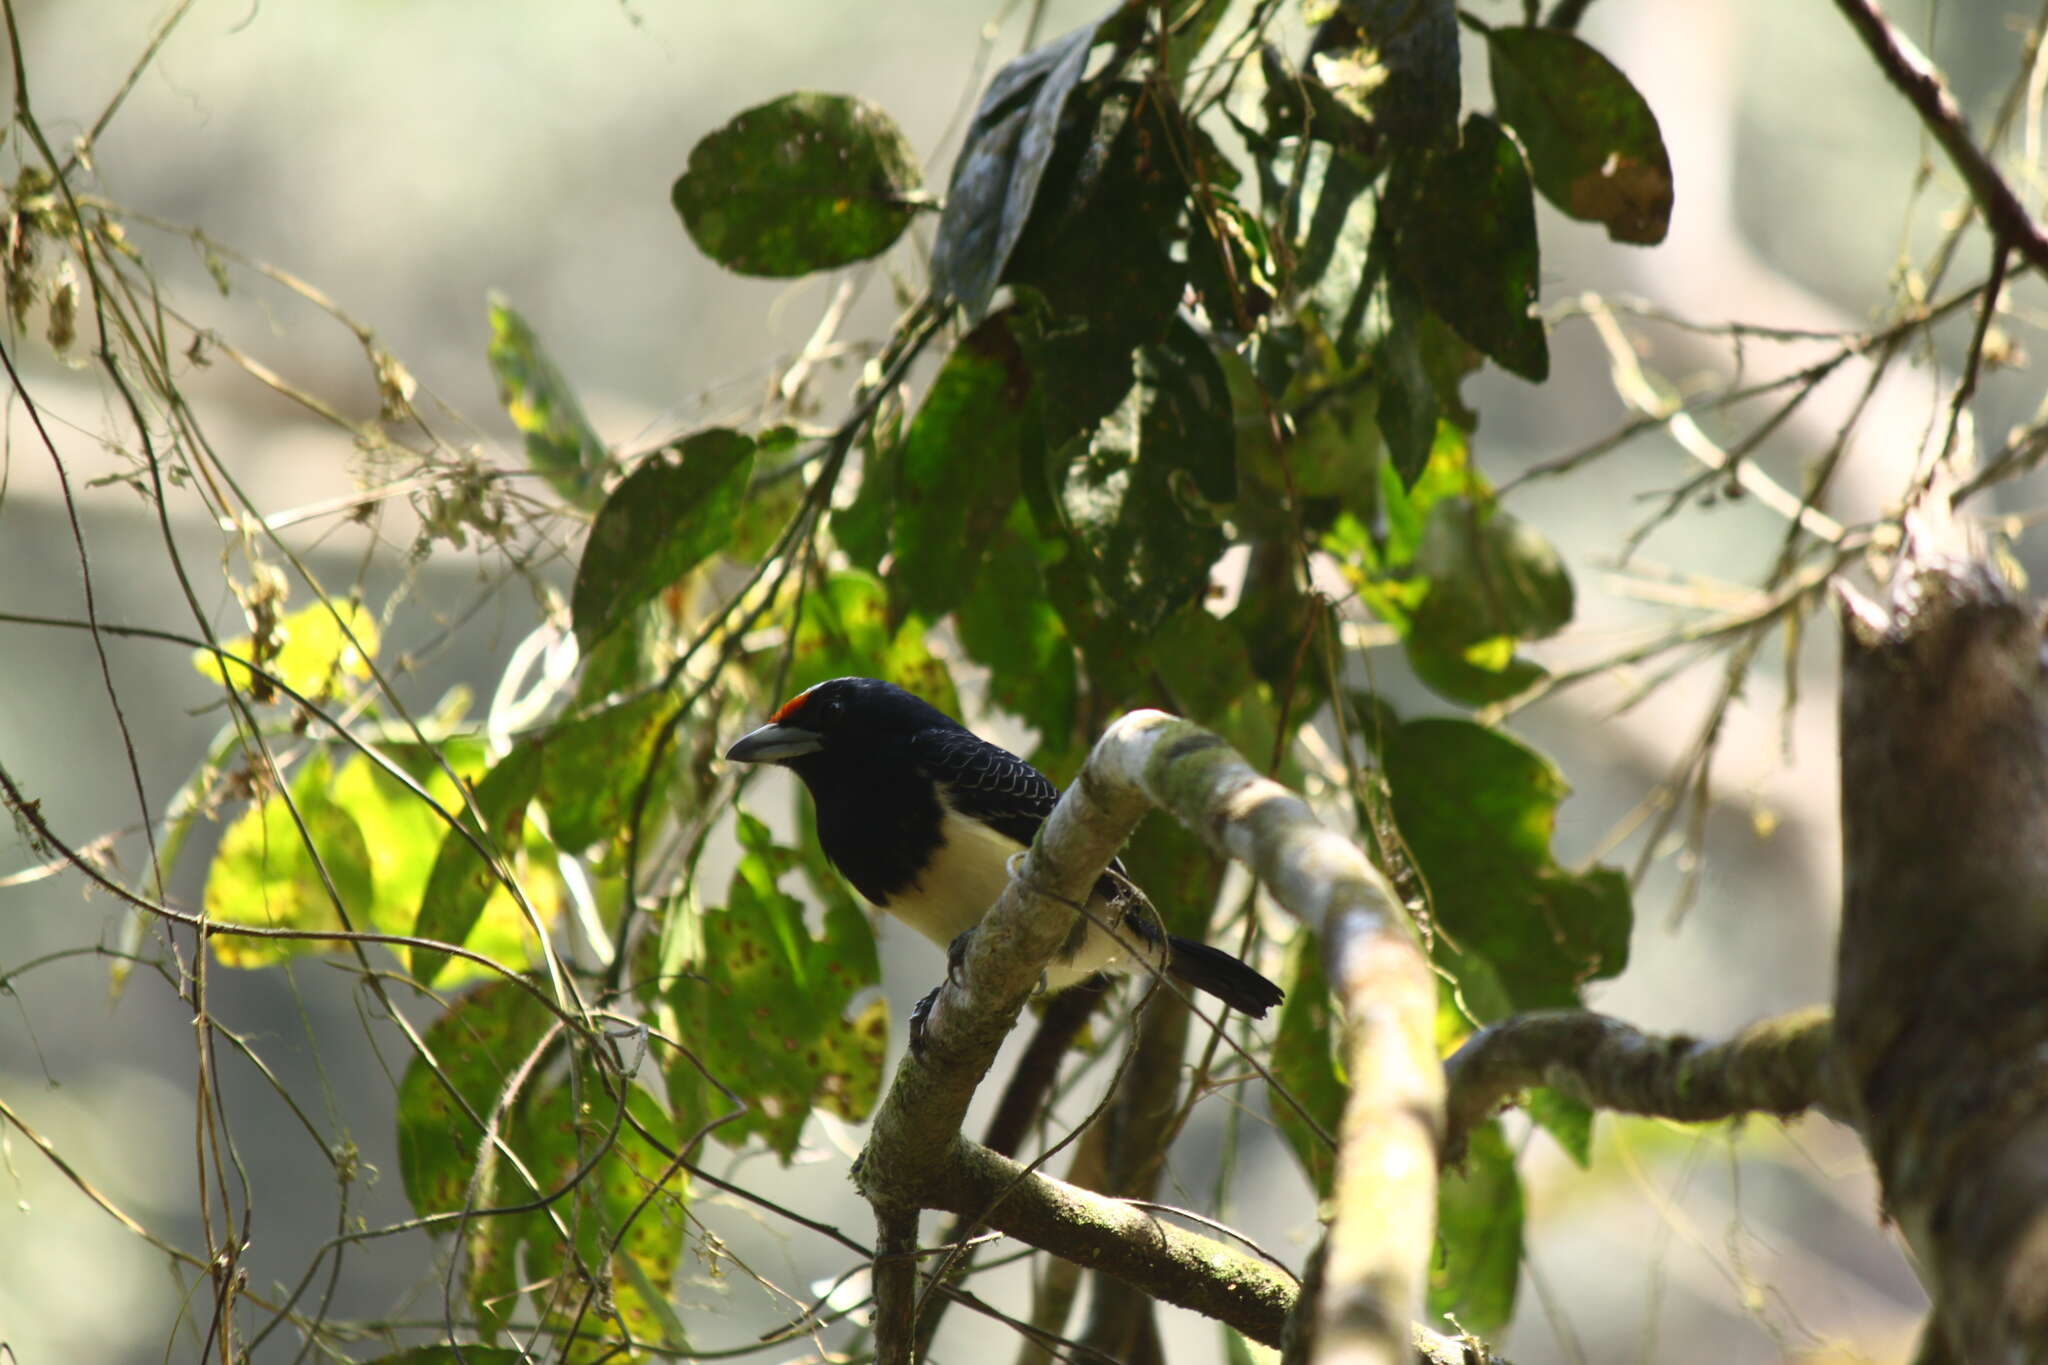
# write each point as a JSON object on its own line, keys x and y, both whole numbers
{"x": 920, "y": 1014}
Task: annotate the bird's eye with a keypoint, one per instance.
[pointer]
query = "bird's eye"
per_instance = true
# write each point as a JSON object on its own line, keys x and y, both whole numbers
{"x": 833, "y": 708}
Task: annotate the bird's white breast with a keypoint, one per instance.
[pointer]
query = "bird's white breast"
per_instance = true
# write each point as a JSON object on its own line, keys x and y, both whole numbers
{"x": 966, "y": 877}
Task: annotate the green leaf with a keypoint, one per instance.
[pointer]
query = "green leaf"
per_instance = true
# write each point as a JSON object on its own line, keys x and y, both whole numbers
{"x": 1001, "y": 162}
{"x": 1468, "y": 240}
{"x": 845, "y": 630}
{"x": 1303, "y": 1063}
{"x": 806, "y": 182}
{"x": 768, "y": 1008}
{"x": 1131, "y": 498}
{"x": 264, "y": 872}
{"x": 1592, "y": 139}
{"x": 560, "y": 442}
{"x": 1568, "y": 1120}
{"x": 591, "y": 768}
{"x": 1479, "y": 1237}
{"x": 485, "y": 1037}
{"x": 466, "y": 1354}
{"x": 1478, "y": 810}
{"x": 1490, "y": 575}
{"x": 1006, "y": 623}
{"x": 462, "y": 882}
{"x": 659, "y": 523}
{"x": 565, "y": 1134}
{"x": 957, "y": 473}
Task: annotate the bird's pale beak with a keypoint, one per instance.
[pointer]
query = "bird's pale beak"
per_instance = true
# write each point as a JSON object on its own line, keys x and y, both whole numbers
{"x": 774, "y": 743}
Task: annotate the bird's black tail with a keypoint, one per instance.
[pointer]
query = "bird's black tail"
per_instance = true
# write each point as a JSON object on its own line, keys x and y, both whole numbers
{"x": 1223, "y": 976}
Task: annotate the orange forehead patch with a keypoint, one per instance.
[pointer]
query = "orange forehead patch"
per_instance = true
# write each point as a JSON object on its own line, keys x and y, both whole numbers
{"x": 789, "y": 708}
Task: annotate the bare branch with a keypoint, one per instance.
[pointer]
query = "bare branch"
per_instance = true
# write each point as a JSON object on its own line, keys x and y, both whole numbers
{"x": 1779, "y": 1066}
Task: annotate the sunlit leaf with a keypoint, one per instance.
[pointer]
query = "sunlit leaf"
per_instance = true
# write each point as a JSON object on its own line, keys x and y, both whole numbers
{"x": 461, "y": 881}
{"x": 1477, "y": 810}
{"x": 1593, "y": 141}
{"x": 768, "y": 1007}
{"x": 806, "y": 182}
{"x": 607, "y": 1151}
{"x": 314, "y": 652}
{"x": 267, "y": 874}
{"x": 1479, "y": 1237}
{"x": 844, "y": 630}
{"x": 658, "y": 524}
{"x": 560, "y": 442}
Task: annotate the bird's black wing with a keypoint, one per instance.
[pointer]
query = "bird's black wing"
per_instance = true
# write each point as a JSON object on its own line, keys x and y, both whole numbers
{"x": 986, "y": 782}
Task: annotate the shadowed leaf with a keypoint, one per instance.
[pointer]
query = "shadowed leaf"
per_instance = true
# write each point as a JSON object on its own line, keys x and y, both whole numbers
{"x": 1473, "y": 204}
{"x": 1479, "y": 1237}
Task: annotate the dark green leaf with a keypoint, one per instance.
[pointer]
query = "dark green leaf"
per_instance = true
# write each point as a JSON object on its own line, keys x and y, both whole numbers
{"x": 1479, "y": 1237}
{"x": 807, "y": 182}
{"x": 1468, "y": 239}
{"x": 766, "y": 1004}
{"x": 1006, "y": 623}
{"x": 1394, "y": 61}
{"x": 1303, "y": 1064}
{"x": 1130, "y": 499}
{"x": 462, "y": 881}
{"x": 996, "y": 178}
{"x": 1592, "y": 139}
{"x": 1490, "y": 575}
{"x": 957, "y": 473}
{"x": 657, "y": 525}
{"x": 1478, "y": 810}
{"x": 560, "y": 442}
{"x": 1408, "y": 393}
{"x": 591, "y": 768}
{"x": 1470, "y": 673}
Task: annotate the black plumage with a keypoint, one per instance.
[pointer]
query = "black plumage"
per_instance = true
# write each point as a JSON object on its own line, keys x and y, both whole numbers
{"x": 922, "y": 816}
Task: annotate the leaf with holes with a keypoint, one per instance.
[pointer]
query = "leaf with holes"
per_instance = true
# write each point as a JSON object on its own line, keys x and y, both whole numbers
{"x": 806, "y": 182}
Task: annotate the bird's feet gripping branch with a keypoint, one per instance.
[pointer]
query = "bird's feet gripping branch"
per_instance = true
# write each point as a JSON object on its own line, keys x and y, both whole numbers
{"x": 923, "y": 817}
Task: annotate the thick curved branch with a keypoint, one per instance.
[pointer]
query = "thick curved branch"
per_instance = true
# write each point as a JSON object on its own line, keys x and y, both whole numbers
{"x": 1384, "y": 1206}
{"x": 1779, "y": 1066}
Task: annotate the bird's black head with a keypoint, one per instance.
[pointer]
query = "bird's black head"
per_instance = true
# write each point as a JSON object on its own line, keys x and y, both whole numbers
{"x": 836, "y": 721}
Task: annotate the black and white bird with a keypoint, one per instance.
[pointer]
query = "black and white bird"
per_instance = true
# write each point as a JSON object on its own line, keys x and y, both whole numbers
{"x": 923, "y": 816}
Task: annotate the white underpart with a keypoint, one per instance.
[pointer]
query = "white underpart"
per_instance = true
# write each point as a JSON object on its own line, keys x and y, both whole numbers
{"x": 968, "y": 874}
